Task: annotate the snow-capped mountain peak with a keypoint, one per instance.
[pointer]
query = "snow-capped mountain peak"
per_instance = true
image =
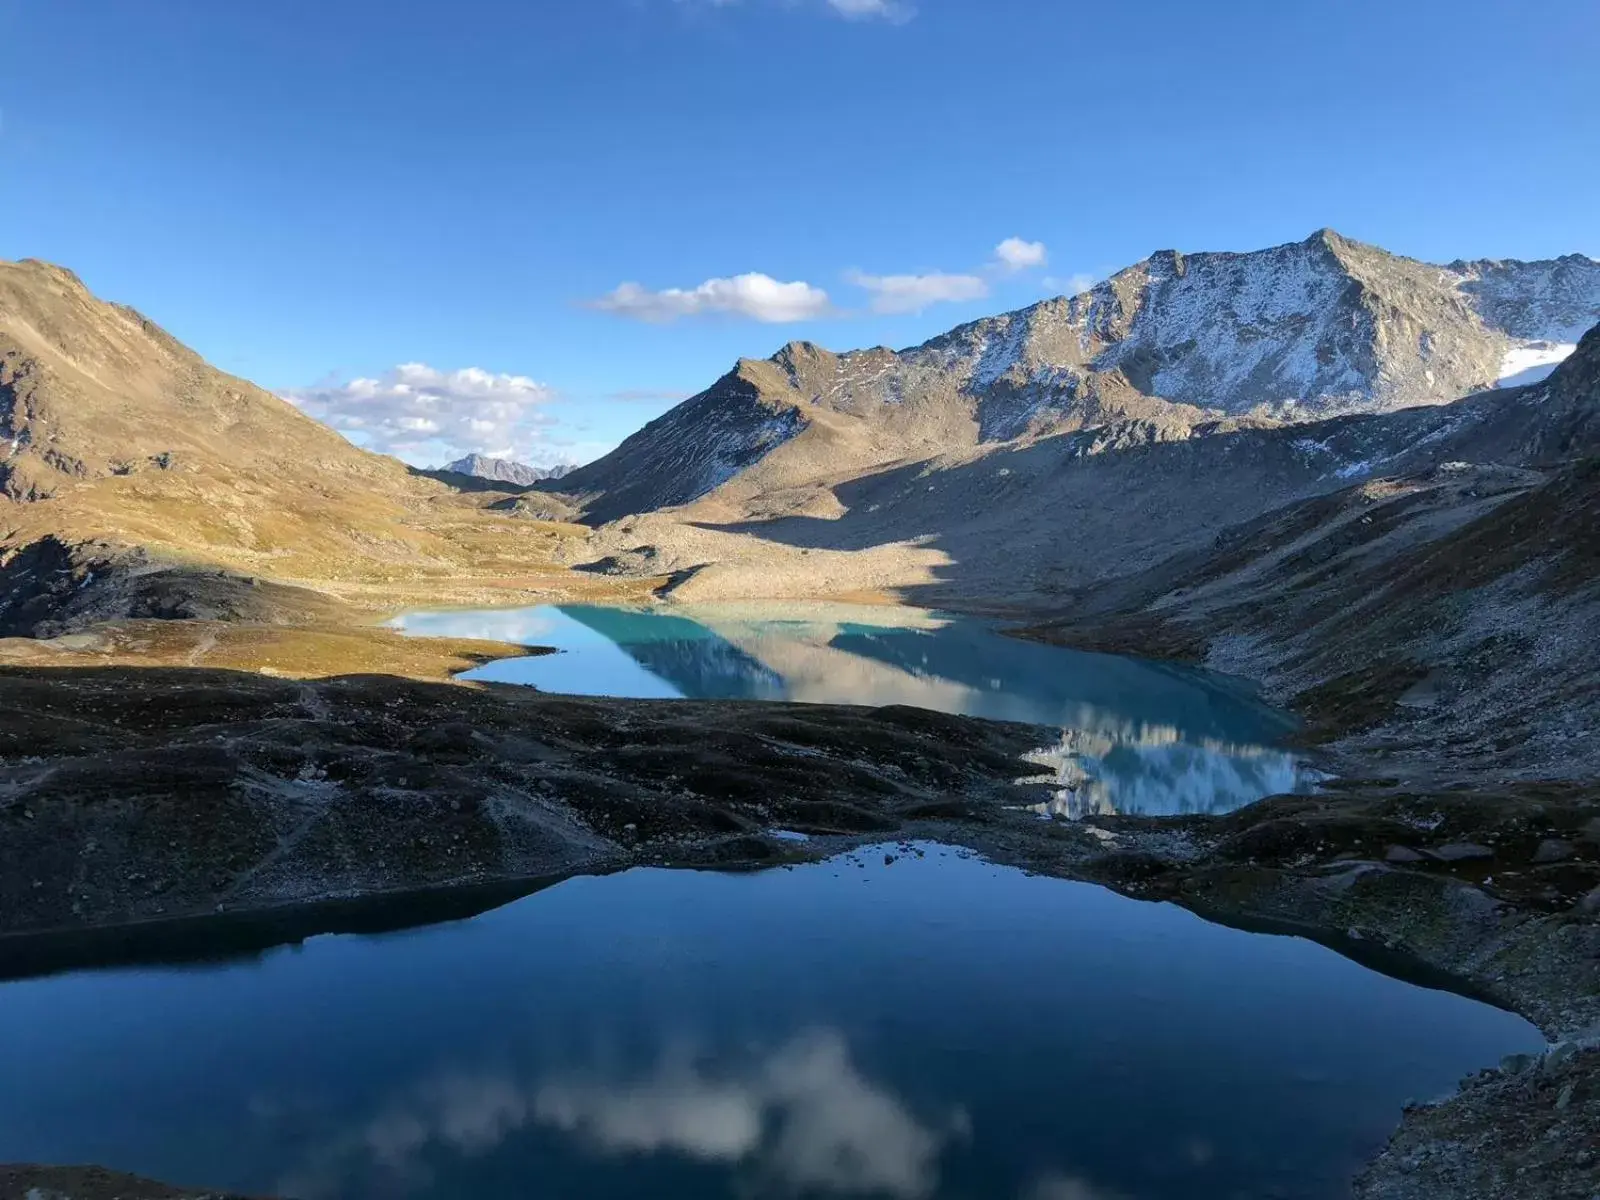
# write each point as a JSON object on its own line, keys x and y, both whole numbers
{"x": 1309, "y": 329}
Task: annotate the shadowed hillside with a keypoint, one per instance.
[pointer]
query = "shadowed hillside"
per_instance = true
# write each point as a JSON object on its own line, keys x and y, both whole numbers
{"x": 1441, "y": 619}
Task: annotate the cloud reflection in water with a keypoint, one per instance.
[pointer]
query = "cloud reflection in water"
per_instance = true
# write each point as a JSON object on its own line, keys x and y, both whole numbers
{"x": 801, "y": 1119}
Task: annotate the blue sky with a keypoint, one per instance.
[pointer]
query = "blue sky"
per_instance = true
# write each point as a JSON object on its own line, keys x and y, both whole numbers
{"x": 312, "y": 192}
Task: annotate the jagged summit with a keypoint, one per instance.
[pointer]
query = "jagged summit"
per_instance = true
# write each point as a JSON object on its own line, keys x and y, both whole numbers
{"x": 1307, "y": 329}
{"x": 504, "y": 470}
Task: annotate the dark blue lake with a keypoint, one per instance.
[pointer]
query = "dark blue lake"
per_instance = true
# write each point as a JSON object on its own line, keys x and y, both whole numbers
{"x": 925, "y": 1028}
{"x": 1133, "y": 735}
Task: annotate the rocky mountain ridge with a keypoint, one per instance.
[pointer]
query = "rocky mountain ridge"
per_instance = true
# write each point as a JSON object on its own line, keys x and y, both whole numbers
{"x": 1434, "y": 615}
{"x": 1178, "y": 342}
{"x": 1023, "y": 526}
{"x": 504, "y": 470}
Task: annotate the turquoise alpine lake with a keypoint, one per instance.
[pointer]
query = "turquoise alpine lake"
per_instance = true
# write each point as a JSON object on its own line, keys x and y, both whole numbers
{"x": 1131, "y": 736}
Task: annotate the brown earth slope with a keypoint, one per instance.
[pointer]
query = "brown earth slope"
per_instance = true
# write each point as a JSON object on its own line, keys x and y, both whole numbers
{"x": 124, "y": 457}
{"x": 1038, "y": 525}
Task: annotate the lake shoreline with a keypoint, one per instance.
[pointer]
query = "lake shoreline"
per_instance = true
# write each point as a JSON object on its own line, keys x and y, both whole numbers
{"x": 189, "y": 749}
{"x": 932, "y": 912}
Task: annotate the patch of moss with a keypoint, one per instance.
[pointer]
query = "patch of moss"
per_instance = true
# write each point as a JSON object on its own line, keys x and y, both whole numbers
{"x": 1355, "y": 701}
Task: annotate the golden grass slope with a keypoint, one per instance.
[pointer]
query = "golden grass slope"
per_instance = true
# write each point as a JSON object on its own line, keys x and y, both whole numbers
{"x": 112, "y": 431}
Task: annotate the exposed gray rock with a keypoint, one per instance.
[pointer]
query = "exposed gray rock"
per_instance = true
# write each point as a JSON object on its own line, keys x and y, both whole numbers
{"x": 1554, "y": 850}
{"x": 503, "y": 470}
{"x": 534, "y": 506}
{"x": 1461, "y": 852}
{"x": 1297, "y": 331}
{"x": 1403, "y": 854}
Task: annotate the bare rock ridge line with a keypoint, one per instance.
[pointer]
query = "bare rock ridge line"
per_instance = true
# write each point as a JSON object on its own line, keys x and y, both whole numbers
{"x": 1030, "y": 525}
{"x": 1176, "y": 344}
{"x": 503, "y": 470}
{"x": 91, "y": 390}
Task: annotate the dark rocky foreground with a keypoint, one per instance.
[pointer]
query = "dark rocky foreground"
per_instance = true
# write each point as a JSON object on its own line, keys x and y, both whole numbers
{"x": 91, "y": 1183}
{"x": 159, "y": 813}
{"x": 1527, "y": 1130}
{"x": 137, "y": 794}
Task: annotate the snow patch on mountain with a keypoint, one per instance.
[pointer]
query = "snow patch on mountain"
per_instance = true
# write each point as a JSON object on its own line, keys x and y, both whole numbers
{"x": 1531, "y": 362}
{"x": 1310, "y": 328}
{"x": 1000, "y": 351}
{"x": 1173, "y": 347}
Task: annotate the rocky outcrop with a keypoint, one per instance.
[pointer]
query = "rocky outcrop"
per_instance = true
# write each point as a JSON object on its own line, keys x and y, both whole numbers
{"x": 696, "y": 447}
{"x": 92, "y": 1183}
{"x": 133, "y": 794}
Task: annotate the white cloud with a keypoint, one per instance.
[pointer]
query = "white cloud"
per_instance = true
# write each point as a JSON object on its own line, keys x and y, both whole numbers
{"x": 913, "y": 293}
{"x": 752, "y": 296}
{"x": 887, "y": 10}
{"x": 897, "y": 11}
{"x": 1068, "y": 1187}
{"x": 419, "y": 413}
{"x": 761, "y": 298}
{"x": 806, "y": 1118}
{"x": 1014, "y": 254}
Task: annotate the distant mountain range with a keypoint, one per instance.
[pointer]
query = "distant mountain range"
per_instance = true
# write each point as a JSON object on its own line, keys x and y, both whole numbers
{"x": 1176, "y": 344}
{"x": 503, "y": 470}
{"x": 1006, "y": 464}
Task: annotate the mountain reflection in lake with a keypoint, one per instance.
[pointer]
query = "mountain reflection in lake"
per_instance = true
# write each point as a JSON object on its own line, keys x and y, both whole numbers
{"x": 1136, "y": 736}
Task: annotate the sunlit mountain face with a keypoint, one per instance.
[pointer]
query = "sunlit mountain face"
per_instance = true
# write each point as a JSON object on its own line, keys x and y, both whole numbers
{"x": 1132, "y": 735}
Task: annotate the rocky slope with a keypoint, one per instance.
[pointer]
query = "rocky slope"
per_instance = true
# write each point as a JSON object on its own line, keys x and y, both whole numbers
{"x": 1433, "y": 618}
{"x": 1023, "y": 526}
{"x": 1173, "y": 344}
{"x": 137, "y": 793}
{"x": 503, "y": 470}
{"x": 92, "y": 1183}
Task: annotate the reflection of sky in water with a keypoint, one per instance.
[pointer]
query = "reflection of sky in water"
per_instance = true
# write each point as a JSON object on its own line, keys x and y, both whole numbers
{"x": 935, "y": 1027}
{"x": 800, "y": 1118}
{"x": 1137, "y": 736}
